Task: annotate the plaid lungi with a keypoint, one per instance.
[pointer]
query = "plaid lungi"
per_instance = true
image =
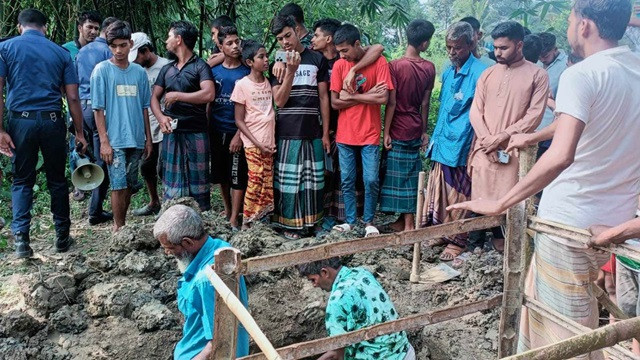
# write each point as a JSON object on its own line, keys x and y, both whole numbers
{"x": 258, "y": 200}
{"x": 400, "y": 185}
{"x": 333, "y": 200}
{"x": 186, "y": 167}
{"x": 298, "y": 183}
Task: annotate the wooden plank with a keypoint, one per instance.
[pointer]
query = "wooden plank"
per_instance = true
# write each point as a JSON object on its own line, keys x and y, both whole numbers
{"x": 617, "y": 351}
{"x": 580, "y": 237}
{"x": 320, "y": 346}
{"x": 516, "y": 261}
{"x": 342, "y": 248}
{"x": 225, "y": 324}
{"x": 415, "y": 263}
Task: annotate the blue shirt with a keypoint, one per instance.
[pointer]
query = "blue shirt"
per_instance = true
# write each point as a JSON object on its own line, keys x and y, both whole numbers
{"x": 35, "y": 69}
{"x": 88, "y": 57}
{"x": 452, "y": 136}
{"x": 223, "y": 109}
{"x": 123, "y": 94}
{"x": 554, "y": 70}
{"x": 196, "y": 297}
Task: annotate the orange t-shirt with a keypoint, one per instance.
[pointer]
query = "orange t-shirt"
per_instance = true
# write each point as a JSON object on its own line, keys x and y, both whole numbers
{"x": 360, "y": 124}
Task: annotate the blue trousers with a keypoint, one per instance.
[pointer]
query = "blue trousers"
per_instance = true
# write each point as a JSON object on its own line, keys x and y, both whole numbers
{"x": 370, "y": 164}
{"x": 30, "y": 136}
{"x": 100, "y": 193}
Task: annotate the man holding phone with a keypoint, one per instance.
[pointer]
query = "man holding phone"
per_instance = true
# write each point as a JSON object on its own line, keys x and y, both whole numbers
{"x": 510, "y": 99}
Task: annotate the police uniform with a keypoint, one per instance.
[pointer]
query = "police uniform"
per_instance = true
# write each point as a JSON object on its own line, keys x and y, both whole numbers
{"x": 35, "y": 69}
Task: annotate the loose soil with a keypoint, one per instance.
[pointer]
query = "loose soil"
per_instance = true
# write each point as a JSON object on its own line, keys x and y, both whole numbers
{"x": 114, "y": 296}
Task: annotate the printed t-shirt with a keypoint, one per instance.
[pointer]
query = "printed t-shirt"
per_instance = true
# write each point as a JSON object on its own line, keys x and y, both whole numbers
{"x": 360, "y": 124}
{"x": 260, "y": 117}
{"x": 222, "y": 108}
{"x": 299, "y": 118}
{"x": 411, "y": 79}
{"x": 123, "y": 94}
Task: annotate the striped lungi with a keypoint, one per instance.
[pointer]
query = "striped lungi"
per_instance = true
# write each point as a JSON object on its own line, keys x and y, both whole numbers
{"x": 186, "y": 167}
{"x": 560, "y": 277}
{"x": 258, "y": 200}
{"x": 446, "y": 186}
{"x": 333, "y": 200}
{"x": 298, "y": 183}
{"x": 400, "y": 183}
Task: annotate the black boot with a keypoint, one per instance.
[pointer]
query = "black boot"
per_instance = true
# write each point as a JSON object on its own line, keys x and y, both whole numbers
{"x": 23, "y": 250}
{"x": 63, "y": 240}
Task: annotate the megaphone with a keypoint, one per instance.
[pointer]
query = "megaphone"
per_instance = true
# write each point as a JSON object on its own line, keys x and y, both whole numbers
{"x": 87, "y": 176}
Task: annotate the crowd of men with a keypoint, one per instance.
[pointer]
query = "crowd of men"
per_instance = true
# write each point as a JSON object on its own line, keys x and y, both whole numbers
{"x": 298, "y": 142}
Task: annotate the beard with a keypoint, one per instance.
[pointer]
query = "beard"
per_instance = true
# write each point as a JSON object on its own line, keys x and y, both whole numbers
{"x": 183, "y": 261}
{"x": 172, "y": 56}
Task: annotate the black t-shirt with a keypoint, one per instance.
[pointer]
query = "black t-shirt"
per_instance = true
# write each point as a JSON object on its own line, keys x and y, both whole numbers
{"x": 299, "y": 118}
{"x": 333, "y": 125}
{"x": 191, "y": 117}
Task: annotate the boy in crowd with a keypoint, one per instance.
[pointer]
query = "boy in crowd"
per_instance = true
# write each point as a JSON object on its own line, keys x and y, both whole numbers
{"x": 293, "y": 9}
{"x": 405, "y": 127}
{"x": 228, "y": 163}
{"x": 532, "y": 48}
{"x": 217, "y": 57}
{"x": 357, "y": 300}
{"x": 256, "y": 122}
{"x": 322, "y": 41}
{"x": 301, "y": 97}
{"x": 120, "y": 96}
{"x": 143, "y": 54}
{"x": 359, "y": 124}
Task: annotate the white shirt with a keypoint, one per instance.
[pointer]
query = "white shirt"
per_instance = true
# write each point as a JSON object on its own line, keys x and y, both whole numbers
{"x": 603, "y": 183}
{"x": 152, "y": 74}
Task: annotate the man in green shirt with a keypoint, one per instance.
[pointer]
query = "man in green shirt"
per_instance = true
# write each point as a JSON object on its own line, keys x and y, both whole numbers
{"x": 88, "y": 29}
{"x": 357, "y": 300}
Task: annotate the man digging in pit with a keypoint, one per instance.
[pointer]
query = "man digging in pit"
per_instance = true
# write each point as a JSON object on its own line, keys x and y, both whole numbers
{"x": 181, "y": 234}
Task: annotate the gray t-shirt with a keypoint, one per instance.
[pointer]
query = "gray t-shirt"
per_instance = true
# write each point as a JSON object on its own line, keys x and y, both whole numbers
{"x": 152, "y": 74}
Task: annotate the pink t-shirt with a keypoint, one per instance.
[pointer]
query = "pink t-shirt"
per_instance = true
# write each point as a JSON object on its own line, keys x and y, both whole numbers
{"x": 259, "y": 115}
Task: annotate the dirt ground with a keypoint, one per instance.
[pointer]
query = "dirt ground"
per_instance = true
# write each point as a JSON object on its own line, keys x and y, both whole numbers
{"x": 113, "y": 296}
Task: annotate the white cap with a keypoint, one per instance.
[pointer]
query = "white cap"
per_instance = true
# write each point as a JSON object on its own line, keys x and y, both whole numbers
{"x": 139, "y": 39}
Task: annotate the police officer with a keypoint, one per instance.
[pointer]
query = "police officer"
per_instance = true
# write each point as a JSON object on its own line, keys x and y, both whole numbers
{"x": 35, "y": 70}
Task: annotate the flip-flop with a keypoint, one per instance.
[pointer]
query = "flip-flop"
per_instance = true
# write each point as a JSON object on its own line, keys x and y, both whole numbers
{"x": 291, "y": 235}
{"x": 371, "y": 231}
{"x": 343, "y": 228}
{"x": 436, "y": 242}
{"x": 451, "y": 252}
{"x": 460, "y": 260}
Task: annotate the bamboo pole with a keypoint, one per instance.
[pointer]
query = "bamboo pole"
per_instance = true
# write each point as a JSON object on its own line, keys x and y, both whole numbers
{"x": 238, "y": 309}
{"x": 225, "y": 334}
{"x": 515, "y": 264}
{"x": 585, "y": 343}
{"x": 415, "y": 264}
{"x": 618, "y": 352}
{"x": 580, "y": 237}
{"x": 342, "y": 248}
{"x": 320, "y": 346}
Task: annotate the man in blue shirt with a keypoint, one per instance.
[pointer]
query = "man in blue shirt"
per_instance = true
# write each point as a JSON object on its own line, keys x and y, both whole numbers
{"x": 120, "y": 96}
{"x": 86, "y": 60}
{"x": 35, "y": 70}
{"x": 181, "y": 234}
{"x": 228, "y": 163}
{"x": 449, "y": 182}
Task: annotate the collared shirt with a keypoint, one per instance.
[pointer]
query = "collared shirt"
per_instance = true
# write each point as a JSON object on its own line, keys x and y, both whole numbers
{"x": 191, "y": 117}
{"x": 453, "y": 133}
{"x": 73, "y": 46}
{"x": 88, "y": 57}
{"x": 554, "y": 70}
{"x": 196, "y": 301}
{"x": 35, "y": 69}
{"x": 357, "y": 300}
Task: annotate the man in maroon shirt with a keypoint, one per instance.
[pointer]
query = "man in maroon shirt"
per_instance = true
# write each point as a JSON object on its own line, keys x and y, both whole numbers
{"x": 405, "y": 125}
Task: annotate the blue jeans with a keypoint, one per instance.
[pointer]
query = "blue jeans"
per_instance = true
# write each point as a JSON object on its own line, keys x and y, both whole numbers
{"x": 123, "y": 172}
{"x": 100, "y": 193}
{"x": 370, "y": 163}
{"x": 47, "y": 135}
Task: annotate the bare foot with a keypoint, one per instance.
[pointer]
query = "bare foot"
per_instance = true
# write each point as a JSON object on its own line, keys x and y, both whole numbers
{"x": 398, "y": 225}
{"x": 498, "y": 245}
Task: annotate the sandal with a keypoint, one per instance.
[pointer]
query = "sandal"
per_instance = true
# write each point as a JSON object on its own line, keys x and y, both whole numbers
{"x": 436, "y": 242}
{"x": 371, "y": 231}
{"x": 291, "y": 235}
{"x": 451, "y": 252}
{"x": 460, "y": 260}
{"x": 343, "y": 228}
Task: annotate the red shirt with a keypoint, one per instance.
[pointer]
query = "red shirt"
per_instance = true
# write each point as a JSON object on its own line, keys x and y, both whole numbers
{"x": 411, "y": 78}
{"x": 360, "y": 124}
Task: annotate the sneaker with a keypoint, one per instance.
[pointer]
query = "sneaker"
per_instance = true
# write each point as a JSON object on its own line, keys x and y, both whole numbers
{"x": 23, "y": 250}
{"x": 147, "y": 210}
{"x": 63, "y": 240}
{"x": 102, "y": 218}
